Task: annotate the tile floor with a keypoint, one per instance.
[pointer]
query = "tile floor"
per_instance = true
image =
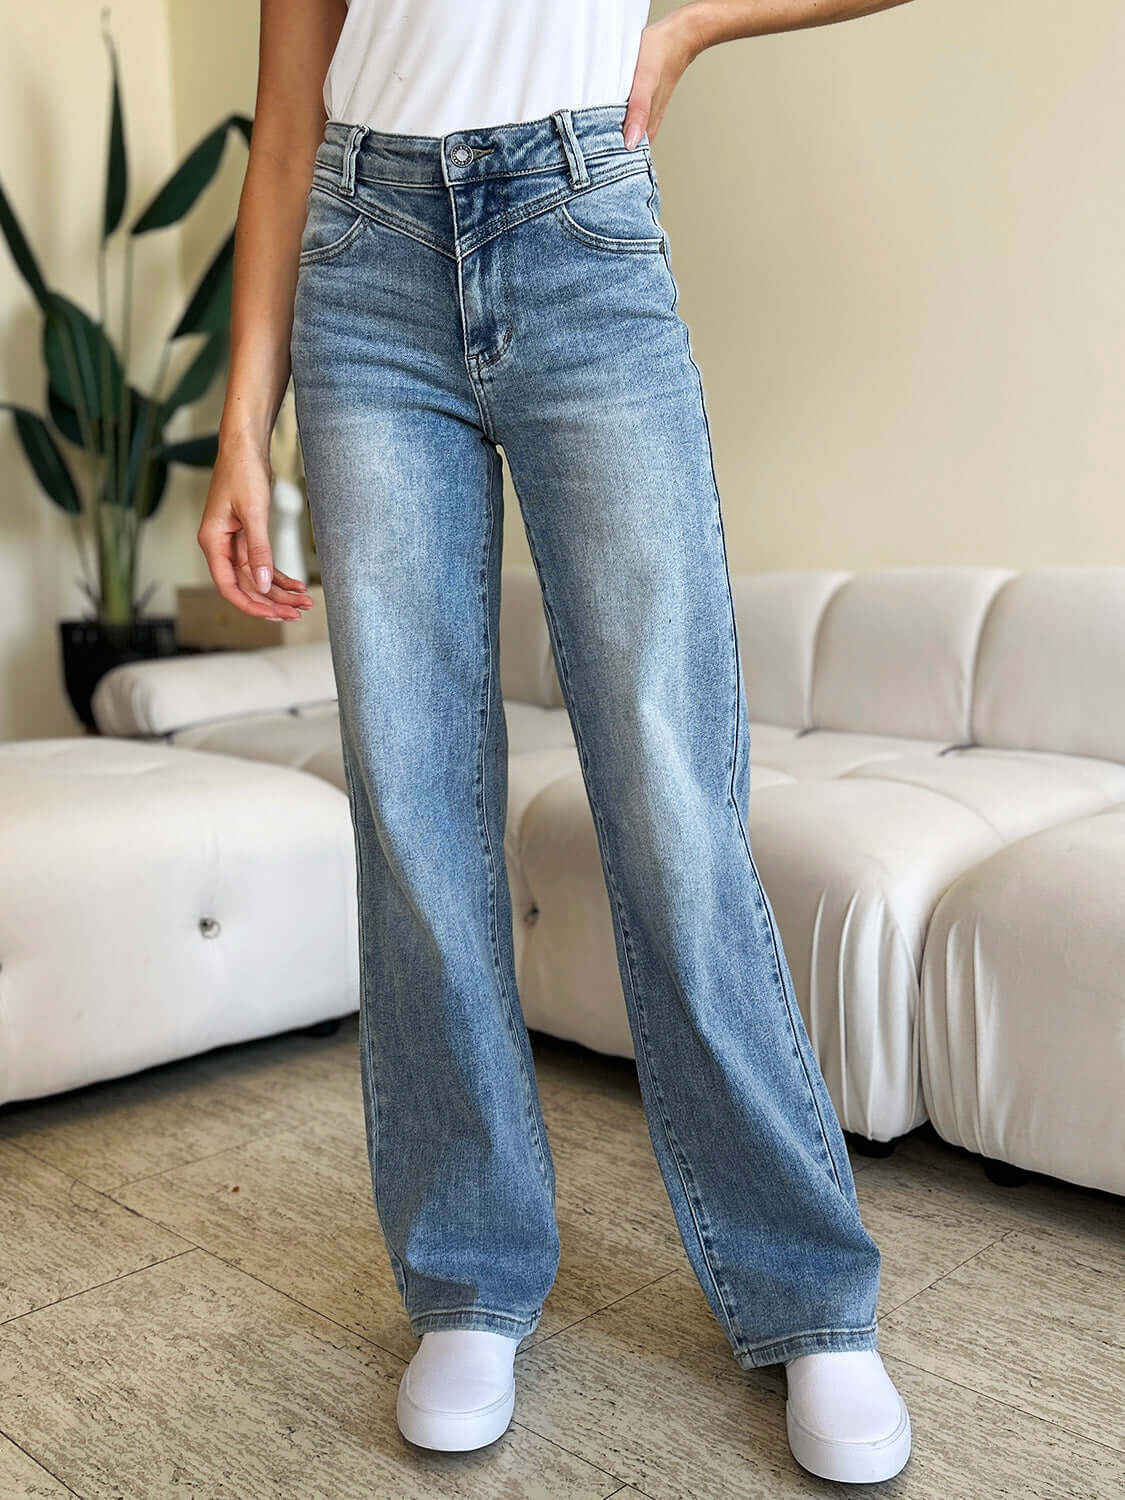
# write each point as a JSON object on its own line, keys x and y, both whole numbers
{"x": 195, "y": 1302}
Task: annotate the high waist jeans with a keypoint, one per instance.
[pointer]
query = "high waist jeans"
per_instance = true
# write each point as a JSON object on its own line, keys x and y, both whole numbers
{"x": 511, "y": 287}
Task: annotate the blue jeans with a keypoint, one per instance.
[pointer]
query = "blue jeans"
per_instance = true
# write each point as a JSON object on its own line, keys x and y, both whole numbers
{"x": 511, "y": 287}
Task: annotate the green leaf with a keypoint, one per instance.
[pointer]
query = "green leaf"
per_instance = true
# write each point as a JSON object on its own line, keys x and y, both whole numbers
{"x": 209, "y": 309}
{"x": 72, "y": 340}
{"x": 47, "y": 462}
{"x": 147, "y": 506}
{"x": 117, "y": 172}
{"x": 187, "y": 182}
{"x": 26, "y": 263}
{"x": 65, "y": 418}
{"x": 158, "y": 482}
{"x": 197, "y": 452}
{"x": 146, "y": 437}
{"x": 199, "y": 374}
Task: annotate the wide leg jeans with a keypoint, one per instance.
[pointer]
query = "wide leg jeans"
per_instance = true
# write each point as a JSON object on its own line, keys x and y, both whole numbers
{"x": 511, "y": 287}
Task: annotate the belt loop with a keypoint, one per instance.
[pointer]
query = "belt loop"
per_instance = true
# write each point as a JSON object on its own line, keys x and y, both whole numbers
{"x": 351, "y": 151}
{"x": 575, "y": 161}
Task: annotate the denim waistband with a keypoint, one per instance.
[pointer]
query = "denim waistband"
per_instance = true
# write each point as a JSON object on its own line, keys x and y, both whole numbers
{"x": 566, "y": 138}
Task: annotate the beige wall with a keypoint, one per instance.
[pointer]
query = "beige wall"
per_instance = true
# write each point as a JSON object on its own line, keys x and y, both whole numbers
{"x": 898, "y": 243}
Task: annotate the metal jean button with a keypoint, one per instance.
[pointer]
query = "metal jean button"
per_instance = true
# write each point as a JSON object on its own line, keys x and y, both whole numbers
{"x": 460, "y": 154}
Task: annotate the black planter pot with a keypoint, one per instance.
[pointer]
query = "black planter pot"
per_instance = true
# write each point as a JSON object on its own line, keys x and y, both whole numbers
{"x": 90, "y": 649}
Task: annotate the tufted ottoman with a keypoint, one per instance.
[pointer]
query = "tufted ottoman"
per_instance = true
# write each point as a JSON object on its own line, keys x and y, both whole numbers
{"x": 157, "y": 901}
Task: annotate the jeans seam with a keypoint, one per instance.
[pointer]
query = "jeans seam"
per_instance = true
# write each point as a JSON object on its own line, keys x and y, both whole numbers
{"x": 370, "y": 215}
{"x": 483, "y": 718}
{"x": 497, "y": 226}
{"x": 584, "y": 236}
{"x": 475, "y": 1310}
{"x": 501, "y": 223}
{"x": 459, "y": 262}
{"x": 736, "y": 716}
{"x": 861, "y": 1332}
{"x": 691, "y": 1197}
{"x": 808, "y": 1333}
{"x": 369, "y": 1090}
{"x": 326, "y": 254}
{"x": 653, "y": 201}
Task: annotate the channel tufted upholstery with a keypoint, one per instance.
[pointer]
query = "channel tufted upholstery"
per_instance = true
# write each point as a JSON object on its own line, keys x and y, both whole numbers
{"x": 156, "y": 902}
{"x": 923, "y": 740}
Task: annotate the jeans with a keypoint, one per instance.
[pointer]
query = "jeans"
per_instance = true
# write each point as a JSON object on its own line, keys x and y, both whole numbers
{"x": 511, "y": 287}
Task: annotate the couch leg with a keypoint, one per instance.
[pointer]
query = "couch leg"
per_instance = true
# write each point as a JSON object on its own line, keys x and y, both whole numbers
{"x": 323, "y": 1028}
{"x": 1004, "y": 1173}
{"x": 866, "y": 1147}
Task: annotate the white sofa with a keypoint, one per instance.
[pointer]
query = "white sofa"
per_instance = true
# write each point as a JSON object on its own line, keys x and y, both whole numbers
{"x": 937, "y": 812}
{"x": 156, "y": 902}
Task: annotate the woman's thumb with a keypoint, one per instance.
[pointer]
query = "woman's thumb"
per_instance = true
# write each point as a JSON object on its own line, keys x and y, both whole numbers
{"x": 259, "y": 554}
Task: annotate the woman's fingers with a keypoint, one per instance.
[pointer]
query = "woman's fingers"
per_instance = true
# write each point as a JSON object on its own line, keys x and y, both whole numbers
{"x": 277, "y": 597}
{"x": 217, "y": 544}
{"x": 290, "y": 583}
{"x": 234, "y": 536}
{"x": 246, "y": 578}
{"x": 255, "y": 547}
{"x": 285, "y": 592}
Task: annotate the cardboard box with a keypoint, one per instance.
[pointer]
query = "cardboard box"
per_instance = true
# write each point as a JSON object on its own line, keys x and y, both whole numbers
{"x": 204, "y": 619}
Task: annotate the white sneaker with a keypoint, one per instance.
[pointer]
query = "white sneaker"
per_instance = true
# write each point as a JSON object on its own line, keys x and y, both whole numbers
{"x": 459, "y": 1390}
{"x": 844, "y": 1416}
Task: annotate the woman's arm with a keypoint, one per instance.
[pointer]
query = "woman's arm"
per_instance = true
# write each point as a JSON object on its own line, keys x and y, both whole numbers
{"x": 296, "y": 42}
{"x": 670, "y": 44}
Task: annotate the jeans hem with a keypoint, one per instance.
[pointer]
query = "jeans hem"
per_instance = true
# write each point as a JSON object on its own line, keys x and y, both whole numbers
{"x": 813, "y": 1341}
{"x": 482, "y": 1318}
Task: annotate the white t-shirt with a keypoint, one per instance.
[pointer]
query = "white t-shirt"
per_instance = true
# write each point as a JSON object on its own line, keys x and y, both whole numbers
{"x": 428, "y": 67}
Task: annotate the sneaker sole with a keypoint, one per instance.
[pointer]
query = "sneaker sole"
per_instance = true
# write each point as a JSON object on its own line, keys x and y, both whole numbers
{"x": 454, "y": 1431}
{"x": 851, "y": 1463}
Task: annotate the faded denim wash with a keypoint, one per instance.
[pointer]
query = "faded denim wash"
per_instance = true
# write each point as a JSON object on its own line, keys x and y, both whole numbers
{"x": 511, "y": 287}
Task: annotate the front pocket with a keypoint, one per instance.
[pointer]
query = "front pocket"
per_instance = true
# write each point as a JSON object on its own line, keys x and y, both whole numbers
{"x": 331, "y": 225}
{"x": 615, "y": 215}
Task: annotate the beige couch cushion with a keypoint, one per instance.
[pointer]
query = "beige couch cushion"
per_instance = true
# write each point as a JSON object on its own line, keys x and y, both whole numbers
{"x": 527, "y": 667}
{"x": 1016, "y": 792}
{"x": 778, "y": 616}
{"x": 155, "y": 903}
{"x": 1051, "y": 669}
{"x": 309, "y": 738}
{"x": 1022, "y": 1017}
{"x": 159, "y": 697}
{"x": 824, "y": 752}
{"x": 854, "y": 867}
{"x": 896, "y": 649}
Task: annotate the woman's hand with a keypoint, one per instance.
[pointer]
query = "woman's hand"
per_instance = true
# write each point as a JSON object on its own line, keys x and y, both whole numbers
{"x": 234, "y": 536}
{"x": 667, "y": 46}
{"x": 297, "y": 39}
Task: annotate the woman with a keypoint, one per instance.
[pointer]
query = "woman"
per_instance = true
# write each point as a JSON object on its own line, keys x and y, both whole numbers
{"x": 462, "y": 250}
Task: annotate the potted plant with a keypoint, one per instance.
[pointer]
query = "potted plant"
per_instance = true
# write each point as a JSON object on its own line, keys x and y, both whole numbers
{"x": 120, "y": 429}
